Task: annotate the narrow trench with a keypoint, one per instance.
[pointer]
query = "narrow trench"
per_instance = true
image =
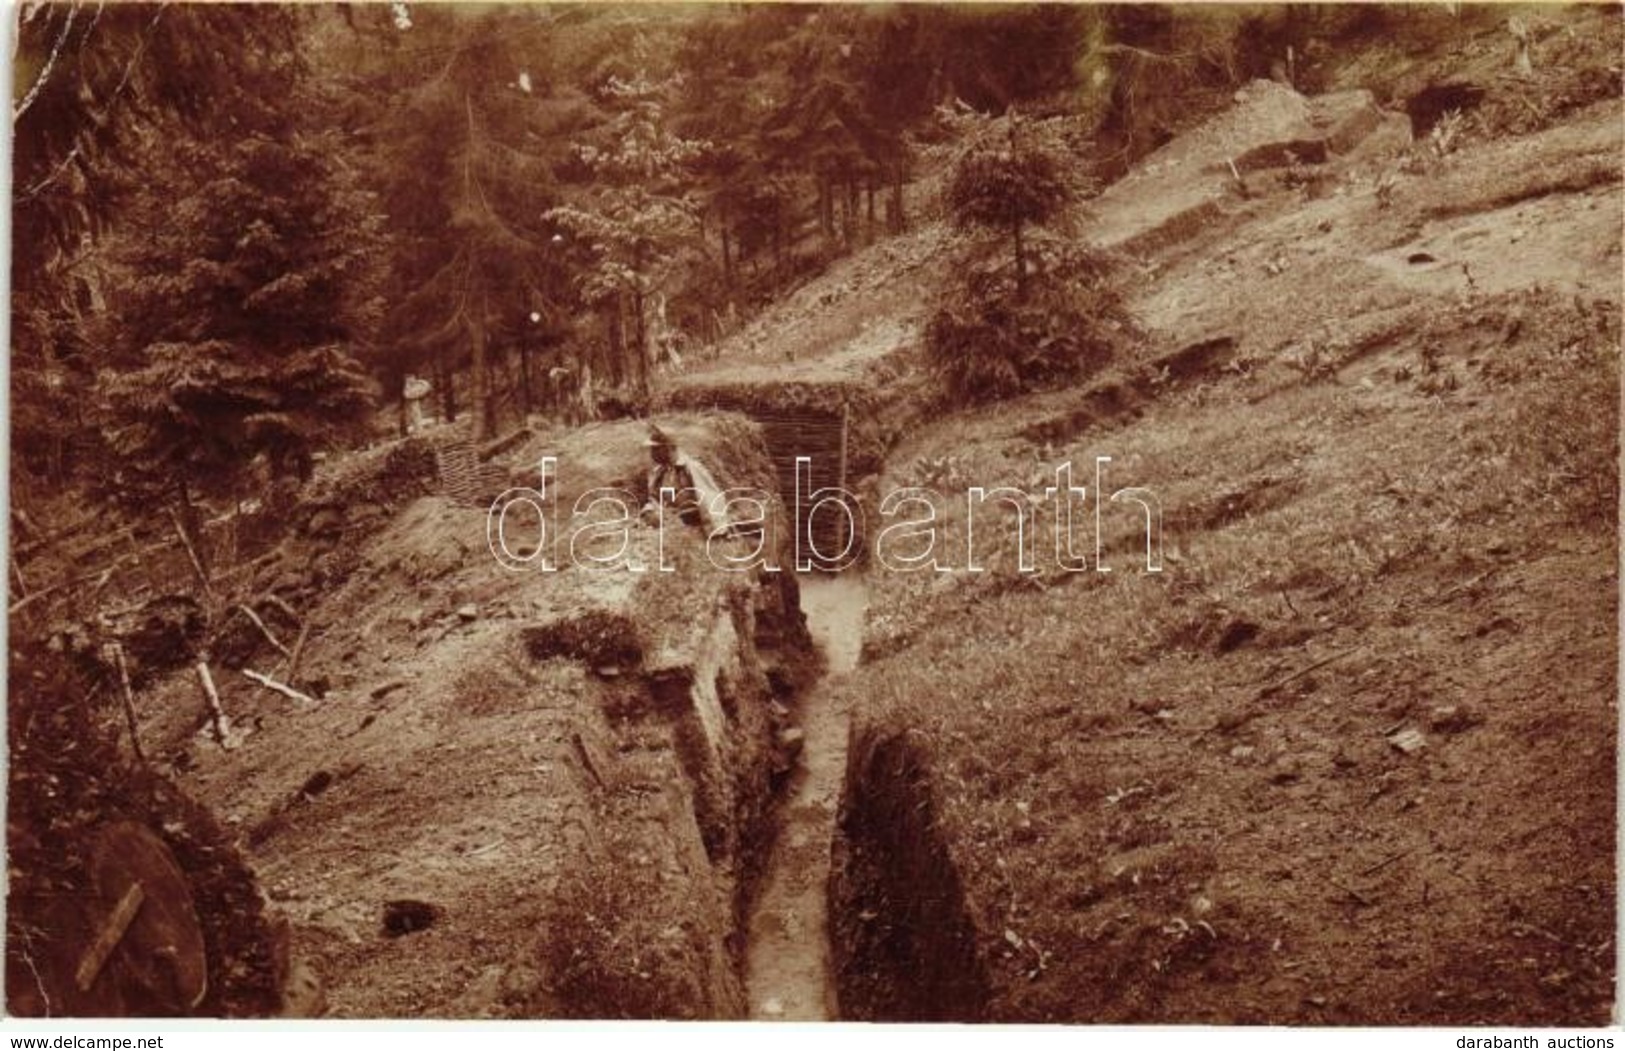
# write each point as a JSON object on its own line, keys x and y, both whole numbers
{"x": 788, "y": 973}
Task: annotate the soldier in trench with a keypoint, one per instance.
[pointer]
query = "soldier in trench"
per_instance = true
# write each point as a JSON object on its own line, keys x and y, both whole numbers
{"x": 696, "y": 498}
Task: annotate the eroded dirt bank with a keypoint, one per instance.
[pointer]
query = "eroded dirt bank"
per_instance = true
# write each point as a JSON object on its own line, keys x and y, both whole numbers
{"x": 904, "y": 943}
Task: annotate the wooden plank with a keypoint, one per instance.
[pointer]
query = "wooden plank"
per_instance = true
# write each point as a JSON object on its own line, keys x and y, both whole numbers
{"x": 107, "y": 939}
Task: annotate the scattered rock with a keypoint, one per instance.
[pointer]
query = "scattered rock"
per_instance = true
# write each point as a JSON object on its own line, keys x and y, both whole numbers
{"x": 791, "y": 739}
{"x": 1288, "y": 769}
{"x": 326, "y": 522}
{"x": 1453, "y": 719}
{"x": 468, "y": 613}
{"x": 1409, "y": 740}
{"x": 302, "y": 993}
{"x": 316, "y": 784}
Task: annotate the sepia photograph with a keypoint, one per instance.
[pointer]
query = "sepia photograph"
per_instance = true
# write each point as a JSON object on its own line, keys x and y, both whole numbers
{"x": 1086, "y": 514}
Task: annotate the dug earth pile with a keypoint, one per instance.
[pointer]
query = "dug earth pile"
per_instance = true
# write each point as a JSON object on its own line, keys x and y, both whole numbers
{"x": 1348, "y": 756}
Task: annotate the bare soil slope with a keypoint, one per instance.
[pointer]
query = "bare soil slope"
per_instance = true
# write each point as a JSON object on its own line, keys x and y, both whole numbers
{"x": 519, "y": 792}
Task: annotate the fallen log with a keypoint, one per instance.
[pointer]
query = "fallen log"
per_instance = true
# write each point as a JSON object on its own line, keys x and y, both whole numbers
{"x": 279, "y": 687}
{"x": 254, "y": 618}
{"x": 292, "y": 669}
{"x": 191, "y": 552}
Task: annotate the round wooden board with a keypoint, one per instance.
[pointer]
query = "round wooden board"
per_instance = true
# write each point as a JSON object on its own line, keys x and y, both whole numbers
{"x": 160, "y": 963}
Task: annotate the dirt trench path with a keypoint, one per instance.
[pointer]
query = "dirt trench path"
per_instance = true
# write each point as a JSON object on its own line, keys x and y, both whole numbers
{"x": 787, "y": 963}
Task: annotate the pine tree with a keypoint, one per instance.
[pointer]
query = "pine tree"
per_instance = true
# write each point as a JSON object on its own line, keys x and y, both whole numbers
{"x": 239, "y": 278}
{"x": 634, "y": 217}
{"x": 1007, "y": 179}
{"x": 468, "y": 125}
{"x": 95, "y": 88}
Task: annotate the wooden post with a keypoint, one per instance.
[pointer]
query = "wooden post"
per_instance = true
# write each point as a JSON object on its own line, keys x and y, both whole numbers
{"x": 217, "y": 715}
{"x": 841, "y": 468}
{"x": 128, "y": 696}
{"x": 841, "y": 475}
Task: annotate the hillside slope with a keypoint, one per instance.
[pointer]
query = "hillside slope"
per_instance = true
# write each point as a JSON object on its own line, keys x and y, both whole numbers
{"x": 1349, "y": 755}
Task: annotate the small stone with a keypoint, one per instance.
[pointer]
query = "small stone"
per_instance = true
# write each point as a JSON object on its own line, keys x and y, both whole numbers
{"x": 773, "y": 1007}
{"x": 1241, "y": 751}
{"x": 1453, "y": 719}
{"x": 1409, "y": 740}
{"x": 791, "y": 739}
{"x": 326, "y": 522}
{"x": 1287, "y": 770}
{"x": 468, "y": 612}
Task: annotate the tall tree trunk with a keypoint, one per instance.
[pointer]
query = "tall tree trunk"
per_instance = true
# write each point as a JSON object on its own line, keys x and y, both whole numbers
{"x": 617, "y": 343}
{"x": 851, "y": 210}
{"x": 899, "y": 221}
{"x": 727, "y": 261}
{"x": 640, "y": 326}
{"x": 640, "y": 340}
{"x": 778, "y": 244}
{"x": 482, "y": 378}
{"x": 869, "y": 215}
{"x": 444, "y": 379}
{"x": 1021, "y": 265}
{"x": 524, "y": 377}
{"x": 824, "y": 223}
